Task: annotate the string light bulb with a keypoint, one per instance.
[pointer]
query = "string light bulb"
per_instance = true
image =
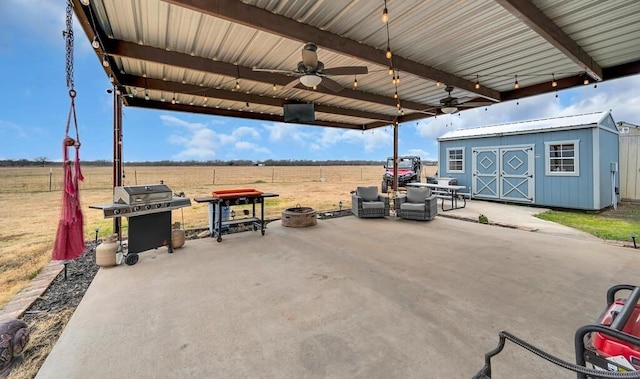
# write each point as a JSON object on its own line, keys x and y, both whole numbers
{"x": 95, "y": 43}
{"x": 315, "y": 88}
{"x": 385, "y": 13}
{"x": 355, "y": 82}
{"x": 146, "y": 95}
{"x": 105, "y": 61}
{"x": 275, "y": 88}
{"x": 111, "y": 78}
{"x": 515, "y": 84}
{"x": 395, "y": 95}
{"x": 586, "y": 80}
{"x": 388, "y": 53}
{"x": 553, "y": 81}
{"x": 398, "y": 78}
{"x": 477, "y": 82}
{"x": 85, "y": 2}
{"x": 173, "y": 101}
{"x": 390, "y": 71}
{"x": 237, "y": 84}
{"x": 437, "y": 83}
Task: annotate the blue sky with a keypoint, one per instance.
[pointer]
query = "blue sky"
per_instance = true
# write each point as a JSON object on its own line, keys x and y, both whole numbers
{"x": 34, "y": 106}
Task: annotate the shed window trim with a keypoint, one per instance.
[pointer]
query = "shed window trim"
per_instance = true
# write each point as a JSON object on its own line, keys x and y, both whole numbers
{"x": 562, "y": 158}
{"x": 455, "y": 157}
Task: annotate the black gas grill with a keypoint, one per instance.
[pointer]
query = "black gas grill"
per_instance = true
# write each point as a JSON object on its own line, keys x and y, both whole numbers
{"x": 148, "y": 209}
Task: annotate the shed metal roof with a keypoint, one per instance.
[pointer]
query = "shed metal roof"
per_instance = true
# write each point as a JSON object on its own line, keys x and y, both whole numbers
{"x": 529, "y": 126}
{"x": 195, "y": 51}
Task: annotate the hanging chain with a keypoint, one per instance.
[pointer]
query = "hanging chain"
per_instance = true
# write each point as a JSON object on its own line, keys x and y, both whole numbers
{"x": 68, "y": 35}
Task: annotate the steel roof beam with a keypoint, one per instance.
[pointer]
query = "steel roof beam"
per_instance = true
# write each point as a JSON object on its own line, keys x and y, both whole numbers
{"x": 152, "y": 54}
{"x": 190, "y": 89}
{"x": 257, "y": 18}
{"x": 534, "y": 18}
{"x": 151, "y": 104}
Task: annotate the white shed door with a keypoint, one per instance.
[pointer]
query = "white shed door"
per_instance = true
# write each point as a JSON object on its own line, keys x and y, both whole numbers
{"x": 485, "y": 173}
{"x": 504, "y": 173}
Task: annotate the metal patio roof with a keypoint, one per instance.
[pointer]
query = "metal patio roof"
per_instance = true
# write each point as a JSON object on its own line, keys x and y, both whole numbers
{"x": 194, "y": 51}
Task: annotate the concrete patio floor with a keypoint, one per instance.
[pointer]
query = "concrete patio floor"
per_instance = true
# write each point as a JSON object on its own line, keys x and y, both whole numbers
{"x": 347, "y": 298}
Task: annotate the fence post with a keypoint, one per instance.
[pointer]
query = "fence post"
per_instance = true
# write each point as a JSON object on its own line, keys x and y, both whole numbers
{"x": 135, "y": 176}
{"x": 360, "y": 173}
{"x": 214, "y": 176}
{"x": 273, "y": 173}
{"x": 50, "y": 178}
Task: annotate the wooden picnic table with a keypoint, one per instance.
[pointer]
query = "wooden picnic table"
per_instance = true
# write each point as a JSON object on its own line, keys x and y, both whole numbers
{"x": 446, "y": 192}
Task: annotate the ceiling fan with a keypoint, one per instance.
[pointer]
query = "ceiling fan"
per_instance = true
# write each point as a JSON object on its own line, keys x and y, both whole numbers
{"x": 451, "y": 104}
{"x": 311, "y": 72}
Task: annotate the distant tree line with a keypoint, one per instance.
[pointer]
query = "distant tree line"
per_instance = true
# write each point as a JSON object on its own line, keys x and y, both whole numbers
{"x": 43, "y": 161}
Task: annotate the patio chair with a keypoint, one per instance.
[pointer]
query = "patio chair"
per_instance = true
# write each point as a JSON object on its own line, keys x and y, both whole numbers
{"x": 417, "y": 204}
{"x": 366, "y": 202}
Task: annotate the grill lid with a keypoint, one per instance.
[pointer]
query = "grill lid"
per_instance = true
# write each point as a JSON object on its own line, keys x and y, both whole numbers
{"x": 141, "y": 194}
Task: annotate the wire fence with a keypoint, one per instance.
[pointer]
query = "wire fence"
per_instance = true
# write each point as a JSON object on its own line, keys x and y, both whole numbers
{"x": 43, "y": 179}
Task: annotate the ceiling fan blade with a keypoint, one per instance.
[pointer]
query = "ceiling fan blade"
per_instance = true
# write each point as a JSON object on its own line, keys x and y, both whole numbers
{"x": 274, "y": 70}
{"x": 331, "y": 84}
{"x": 346, "y": 70}
{"x": 309, "y": 56}
{"x": 291, "y": 84}
{"x": 476, "y": 104}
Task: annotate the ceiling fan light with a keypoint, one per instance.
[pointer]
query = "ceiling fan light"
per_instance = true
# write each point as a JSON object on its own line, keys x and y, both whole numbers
{"x": 449, "y": 110}
{"x": 310, "y": 80}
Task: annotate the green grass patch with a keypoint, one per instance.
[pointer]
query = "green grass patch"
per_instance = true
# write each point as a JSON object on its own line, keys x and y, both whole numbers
{"x": 615, "y": 225}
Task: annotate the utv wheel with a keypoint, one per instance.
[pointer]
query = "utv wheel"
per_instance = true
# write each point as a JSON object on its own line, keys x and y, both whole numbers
{"x": 384, "y": 186}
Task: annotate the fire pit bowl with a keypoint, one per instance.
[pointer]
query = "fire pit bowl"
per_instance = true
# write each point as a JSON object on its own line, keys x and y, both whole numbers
{"x": 299, "y": 217}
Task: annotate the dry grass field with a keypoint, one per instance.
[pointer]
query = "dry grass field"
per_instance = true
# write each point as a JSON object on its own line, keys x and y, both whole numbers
{"x": 29, "y": 210}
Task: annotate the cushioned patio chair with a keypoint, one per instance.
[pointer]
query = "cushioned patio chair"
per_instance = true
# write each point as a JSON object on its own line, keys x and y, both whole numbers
{"x": 366, "y": 202}
{"x": 417, "y": 204}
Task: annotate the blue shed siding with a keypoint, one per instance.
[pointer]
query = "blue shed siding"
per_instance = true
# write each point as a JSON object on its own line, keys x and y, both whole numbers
{"x": 553, "y": 191}
{"x": 608, "y": 143}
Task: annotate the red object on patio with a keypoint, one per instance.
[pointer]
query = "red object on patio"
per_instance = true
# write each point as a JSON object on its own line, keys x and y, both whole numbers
{"x": 69, "y": 242}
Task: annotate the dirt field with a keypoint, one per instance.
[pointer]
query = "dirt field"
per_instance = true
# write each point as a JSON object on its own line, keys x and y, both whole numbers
{"x": 30, "y": 201}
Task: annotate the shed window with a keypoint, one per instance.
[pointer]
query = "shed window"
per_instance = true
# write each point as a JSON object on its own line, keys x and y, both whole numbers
{"x": 455, "y": 160}
{"x": 562, "y": 158}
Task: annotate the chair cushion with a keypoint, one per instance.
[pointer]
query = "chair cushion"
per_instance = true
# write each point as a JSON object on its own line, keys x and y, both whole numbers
{"x": 417, "y": 195}
{"x": 413, "y": 207}
{"x": 368, "y": 193}
{"x": 372, "y": 205}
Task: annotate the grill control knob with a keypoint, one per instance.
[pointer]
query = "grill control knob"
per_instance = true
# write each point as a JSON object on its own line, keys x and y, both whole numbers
{"x": 167, "y": 205}
{"x": 136, "y": 208}
{"x": 158, "y": 205}
{"x": 116, "y": 211}
{"x": 148, "y": 206}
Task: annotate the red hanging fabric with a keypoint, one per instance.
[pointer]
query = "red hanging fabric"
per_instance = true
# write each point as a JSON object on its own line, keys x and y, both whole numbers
{"x": 69, "y": 242}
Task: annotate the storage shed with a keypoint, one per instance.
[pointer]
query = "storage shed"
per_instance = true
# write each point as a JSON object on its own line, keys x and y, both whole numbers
{"x": 629, "y": 161}
{"x": 563, "y": 162}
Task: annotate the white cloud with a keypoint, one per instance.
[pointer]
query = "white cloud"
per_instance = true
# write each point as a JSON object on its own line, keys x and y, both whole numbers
{"x": 288, "y": 132}
{"x": 36, "y": 21}
{"x": 423, "y": 154}
{"x": 620, "y": 96}
{"x": 202, "y": 143}
{"x": 13, "y": 129}
{"x": 252, "y": 147}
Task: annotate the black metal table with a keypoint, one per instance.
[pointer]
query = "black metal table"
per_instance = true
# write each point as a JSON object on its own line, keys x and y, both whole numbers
{"x": 232, "y": 200}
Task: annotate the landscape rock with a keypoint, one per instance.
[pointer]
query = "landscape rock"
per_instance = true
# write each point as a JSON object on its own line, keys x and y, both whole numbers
{"x": 14, "y": 336}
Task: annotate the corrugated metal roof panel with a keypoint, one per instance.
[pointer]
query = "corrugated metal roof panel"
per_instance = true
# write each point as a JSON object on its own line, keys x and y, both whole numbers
{"x": 587, "y": 119}
{"x": 469, "y": 39}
